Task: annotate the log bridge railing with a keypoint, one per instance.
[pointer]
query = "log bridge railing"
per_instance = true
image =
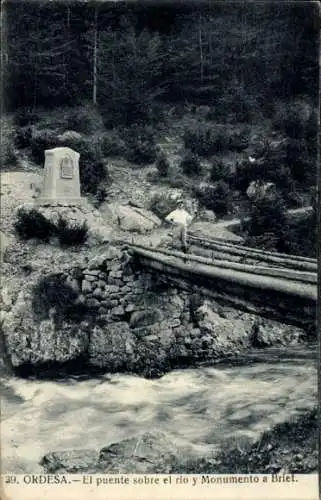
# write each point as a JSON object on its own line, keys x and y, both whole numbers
{"x": 277, "y": 284}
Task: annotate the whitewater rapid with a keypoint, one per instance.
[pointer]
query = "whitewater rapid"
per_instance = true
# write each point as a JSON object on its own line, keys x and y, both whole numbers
{"x": 199, "y": 406}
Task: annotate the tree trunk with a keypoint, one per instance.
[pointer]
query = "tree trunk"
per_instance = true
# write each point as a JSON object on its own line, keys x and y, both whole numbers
{"x": 68, "y": 17}
{"x": 94, "y": 96}
{"x": 201, "y": 49}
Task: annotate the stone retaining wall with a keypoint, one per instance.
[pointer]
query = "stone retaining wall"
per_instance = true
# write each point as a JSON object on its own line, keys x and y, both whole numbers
{"x": 137, "y": 323}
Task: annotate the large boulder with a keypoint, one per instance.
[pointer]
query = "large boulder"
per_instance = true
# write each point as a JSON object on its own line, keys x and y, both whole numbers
{"x": 207, "y": 215}
{"x": 224, "y": 336}
{"x": 148, "y": 453}
{"x": 210, "y": 230}
{"x": 266, "y": 333}
{"x": 69, "y": 135}
{"x": 130, "y": 218}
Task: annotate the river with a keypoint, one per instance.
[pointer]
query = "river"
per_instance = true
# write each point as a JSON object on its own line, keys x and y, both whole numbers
{"x": 196, "y": 405}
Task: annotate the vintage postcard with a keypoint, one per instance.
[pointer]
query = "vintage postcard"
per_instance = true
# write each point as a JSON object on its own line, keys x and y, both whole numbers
{"x": 159, "y": 250}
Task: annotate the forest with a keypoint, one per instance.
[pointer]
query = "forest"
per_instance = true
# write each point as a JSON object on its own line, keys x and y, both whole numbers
{"x": 129, "y": 71}
{"x": 128, "y": 56}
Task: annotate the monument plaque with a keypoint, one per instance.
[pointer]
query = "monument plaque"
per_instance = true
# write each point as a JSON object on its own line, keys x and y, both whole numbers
{"x": 61, "y": 184}
{"x": 66, "y": 168}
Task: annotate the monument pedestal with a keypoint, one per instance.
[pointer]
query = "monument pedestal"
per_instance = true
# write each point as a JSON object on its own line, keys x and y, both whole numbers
{"x": 61, "y": 184}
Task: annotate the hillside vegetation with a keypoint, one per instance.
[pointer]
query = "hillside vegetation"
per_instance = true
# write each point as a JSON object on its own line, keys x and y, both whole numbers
{"x": 171, "y": 98}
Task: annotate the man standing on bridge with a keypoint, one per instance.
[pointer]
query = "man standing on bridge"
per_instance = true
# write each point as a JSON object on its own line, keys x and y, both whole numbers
{"x": 180, "y": 219}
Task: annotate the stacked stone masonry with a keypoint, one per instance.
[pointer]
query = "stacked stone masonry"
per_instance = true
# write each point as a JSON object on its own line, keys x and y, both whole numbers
{"x": 141, "y": 324}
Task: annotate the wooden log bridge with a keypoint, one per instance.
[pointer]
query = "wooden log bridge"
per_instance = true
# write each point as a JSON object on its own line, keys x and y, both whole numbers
{"x": 219, "y": 250}
{"x": 283, "y": 292}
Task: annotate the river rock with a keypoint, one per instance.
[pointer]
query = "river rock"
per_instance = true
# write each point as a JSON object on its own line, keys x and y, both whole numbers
{"x": 147, "y": 453}
{"x": 71, "y": 461}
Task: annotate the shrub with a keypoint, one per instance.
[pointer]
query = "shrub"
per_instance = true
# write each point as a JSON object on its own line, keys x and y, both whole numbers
{"x": 32, "y": 224}
{"x": 71, "y": 234}
{"x": 205, "y": 140}
{"x": 293, "y": 118}
{"x": 153, "y": 176}
{"x": 302, "y": 236}
{"x": 221, "y": 202}
{"x": 268, "y": 215}
{"x": 236, "y": 106}
{"x": 190, "y": 164}
{"x": 267, "y": 241}
{"x": 8, "y": 154}
{"x": 301, "y": 164}
{"x": 25, "y": 117}
{"x": 40, "y": 141}
{"x": 293, "y": 199}
{"x": 84, "y": 119}
{"x": 112, "y": 145}
{"x": 245, "y": 173}
{"x": 162, "y": 165}
{"x": 53, "y": 292}
{"x": 239, "y": 140}
{"x": 162, "y": 204}
{"x": 176, "y": 179}
{"x": 219, "y": 170}
{"x": 140, "y": 144}
{"x": 215, "y": 197}
{"x": 311, "y": 133}
{"x": 101, "y": 195}
{"x": 92, "y": 173}
{"x": 23, "y": 137}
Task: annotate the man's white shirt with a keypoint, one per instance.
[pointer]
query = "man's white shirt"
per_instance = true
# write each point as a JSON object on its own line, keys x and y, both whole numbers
{"x": 179, "y": 217}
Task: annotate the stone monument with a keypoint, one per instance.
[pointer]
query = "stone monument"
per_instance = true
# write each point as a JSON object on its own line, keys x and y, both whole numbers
{"x": 61, "y": 184}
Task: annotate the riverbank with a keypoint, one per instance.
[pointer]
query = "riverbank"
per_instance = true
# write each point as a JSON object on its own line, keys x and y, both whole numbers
{"x": 289, "y": 448}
